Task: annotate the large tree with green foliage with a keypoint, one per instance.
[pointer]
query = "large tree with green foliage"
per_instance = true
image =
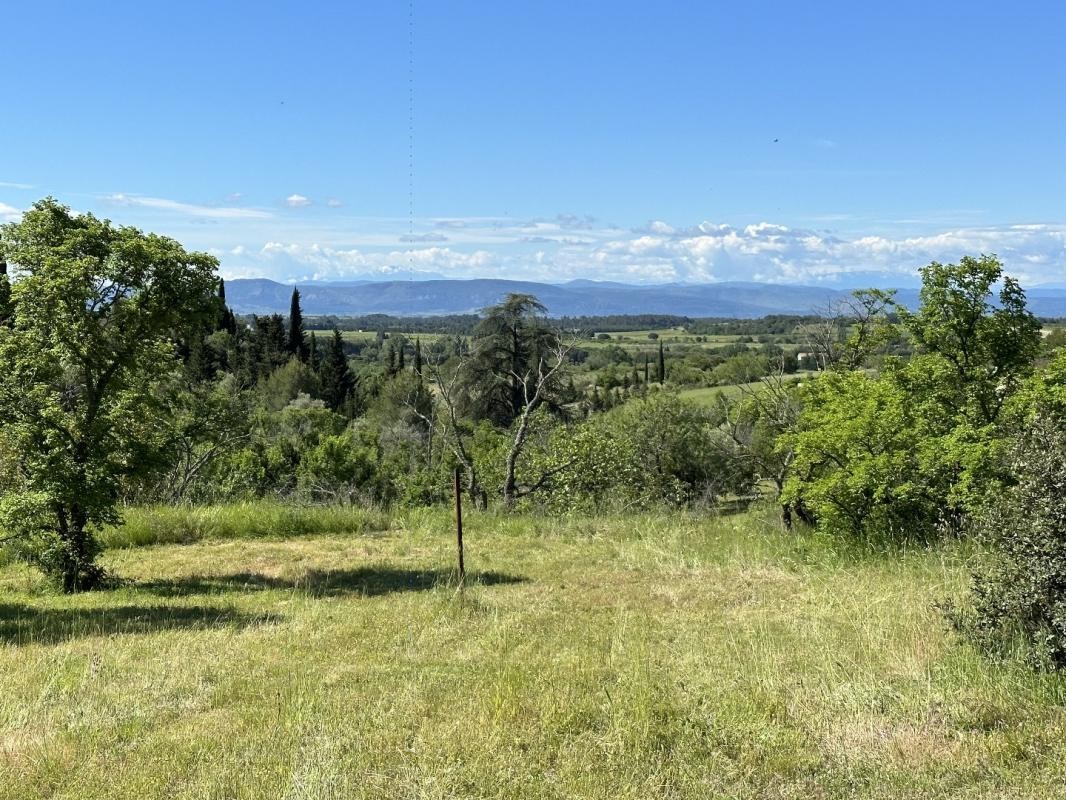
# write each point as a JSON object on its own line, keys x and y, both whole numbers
{"x": 510, "y": 346}
{"x": 98, "y": 309}
{"x": 916, "y": 447}
{"x": 980, "y": 342}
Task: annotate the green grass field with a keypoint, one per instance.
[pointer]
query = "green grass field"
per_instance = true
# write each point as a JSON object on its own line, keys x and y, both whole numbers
{"x": 638, "y": 657}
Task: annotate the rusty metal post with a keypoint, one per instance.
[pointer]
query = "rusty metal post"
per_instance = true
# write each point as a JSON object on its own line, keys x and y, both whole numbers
{"x": 459, "y": 525}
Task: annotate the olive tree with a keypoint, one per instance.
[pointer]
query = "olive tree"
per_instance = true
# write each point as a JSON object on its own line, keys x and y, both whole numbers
{"x": 84, "y": 369}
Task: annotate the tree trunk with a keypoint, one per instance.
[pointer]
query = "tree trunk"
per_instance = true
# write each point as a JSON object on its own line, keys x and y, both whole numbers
{"x": 78, "y": 567}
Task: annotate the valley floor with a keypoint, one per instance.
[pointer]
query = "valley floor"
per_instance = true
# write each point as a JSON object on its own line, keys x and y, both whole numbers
{"x": 637, "y": 657}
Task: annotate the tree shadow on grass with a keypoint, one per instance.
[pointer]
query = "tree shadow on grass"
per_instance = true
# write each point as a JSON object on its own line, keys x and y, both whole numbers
{"x": 364, "y": 581}
{"x": 22, "y": 624}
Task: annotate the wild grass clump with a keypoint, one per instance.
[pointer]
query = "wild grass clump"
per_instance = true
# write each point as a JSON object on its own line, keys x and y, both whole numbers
{"x": 247, "y": 520}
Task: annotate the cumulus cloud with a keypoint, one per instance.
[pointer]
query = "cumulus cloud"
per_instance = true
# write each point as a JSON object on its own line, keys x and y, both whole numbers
{"x": 205, "y": 212}
{"x": 297, "y": 201}
{"x": 777, "y": 253}
{"x": 9, "y": 213}
{"x": 318, "y": 262}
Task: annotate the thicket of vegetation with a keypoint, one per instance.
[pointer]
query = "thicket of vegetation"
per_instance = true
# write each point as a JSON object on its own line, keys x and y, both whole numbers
{"x": 127, "y": 382}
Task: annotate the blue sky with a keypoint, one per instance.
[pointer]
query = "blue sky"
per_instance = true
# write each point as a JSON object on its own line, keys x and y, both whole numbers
{"x": 645, "y": 142}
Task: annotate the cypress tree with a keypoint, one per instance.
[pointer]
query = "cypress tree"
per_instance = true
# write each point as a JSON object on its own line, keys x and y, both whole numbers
{"x": 297, "y": 344}
{"x": 312, "y": 353}
{"x": 338, "y": 382}
{"x": 5, "y": 295}
{"x": 401, "y": 365}
{"x": 662, "y": 365}
{"x": 646, "y": 375}
{"x": 226, "y": 319}
{"x": 418, "y": 358}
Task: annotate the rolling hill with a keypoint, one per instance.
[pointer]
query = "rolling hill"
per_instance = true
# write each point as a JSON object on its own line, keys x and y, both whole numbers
{"x": 430, "y": 297}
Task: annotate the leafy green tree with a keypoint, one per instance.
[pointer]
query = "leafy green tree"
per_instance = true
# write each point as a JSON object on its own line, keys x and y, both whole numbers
{"x": 989, "y": 345}
{"x": 286, "y": 383}
{"x": 97, "y": 311}
{"x": 915, "y": 449}
{"x": 857, "y": 458}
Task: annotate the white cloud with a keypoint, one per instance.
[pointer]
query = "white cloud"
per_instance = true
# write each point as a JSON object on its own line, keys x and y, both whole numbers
{"x": 206, "y": 212}
{"x": 777, "y": 253}
{"x": 297, "y": 201}
{"x": 334, "y": 203}
{"x": 9, "y": 213}
{"x": 9, "y": 185}
{"x": 707, "y": 252}
{"x": 423, "y": 237}
{"x": 285, "y": 260}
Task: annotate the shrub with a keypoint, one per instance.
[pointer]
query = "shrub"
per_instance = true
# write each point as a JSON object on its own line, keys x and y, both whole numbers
{"x": 1019, "y": 590}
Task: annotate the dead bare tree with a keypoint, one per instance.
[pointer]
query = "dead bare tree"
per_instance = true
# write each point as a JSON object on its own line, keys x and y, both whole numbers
{"x": 535, "y": 386}
{"x": 450, "y": 429}
{"x": 755, "y": 421}
{"x": 850, "y": 329}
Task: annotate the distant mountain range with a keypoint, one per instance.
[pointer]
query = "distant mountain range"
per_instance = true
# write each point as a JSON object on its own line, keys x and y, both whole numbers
{"x": 577, "y": 298}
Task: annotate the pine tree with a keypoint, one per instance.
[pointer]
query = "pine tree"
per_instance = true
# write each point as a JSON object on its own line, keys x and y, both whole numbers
{"x": 338, "y": 382}
{"x": 662, "y": 365}
{"x": 297, "y": 344}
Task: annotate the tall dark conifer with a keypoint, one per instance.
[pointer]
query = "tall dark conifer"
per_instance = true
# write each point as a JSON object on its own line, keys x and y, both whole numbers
{"x": 5, "y": 295}
{"x": 226, "y": 320}
{"x": 662, "y": 365}
{"x": 297, "y": 342}
{"x": 312, "y": 353}
{"x": 338, "y": 382}
{"x": 418, "y": 358}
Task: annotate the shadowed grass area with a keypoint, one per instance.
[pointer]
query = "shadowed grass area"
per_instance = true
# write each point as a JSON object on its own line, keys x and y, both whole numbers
{"x": 26, "y": 624}
{"x": 633, "y": 657}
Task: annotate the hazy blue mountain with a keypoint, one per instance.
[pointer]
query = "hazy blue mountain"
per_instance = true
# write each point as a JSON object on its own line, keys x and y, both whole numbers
{"x": 425, "y": 297}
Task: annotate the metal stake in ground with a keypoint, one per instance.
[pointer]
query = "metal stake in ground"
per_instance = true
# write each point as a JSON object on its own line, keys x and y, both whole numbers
{"x": 459, "y": 526}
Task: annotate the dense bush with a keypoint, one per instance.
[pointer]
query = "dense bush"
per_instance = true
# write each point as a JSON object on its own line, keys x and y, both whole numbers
{"x": 1019, "y": 593}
